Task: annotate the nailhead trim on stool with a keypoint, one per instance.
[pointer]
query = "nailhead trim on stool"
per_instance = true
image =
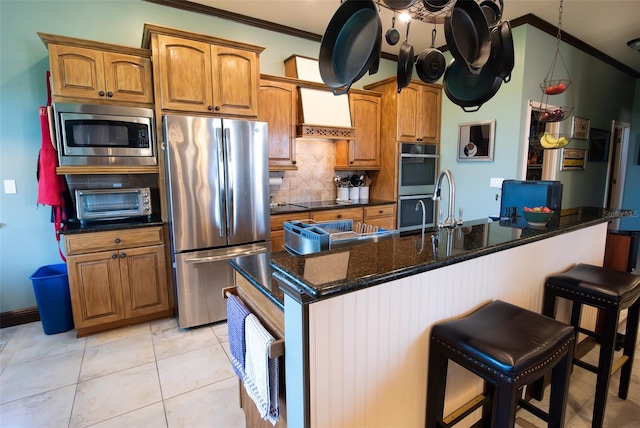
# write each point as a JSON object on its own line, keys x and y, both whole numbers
{"x": 508, "y": 347}
{"x": 610, "y": 291}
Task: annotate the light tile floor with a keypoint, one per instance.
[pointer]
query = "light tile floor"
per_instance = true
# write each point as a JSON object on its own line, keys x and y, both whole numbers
{"x": 157, "y": 375}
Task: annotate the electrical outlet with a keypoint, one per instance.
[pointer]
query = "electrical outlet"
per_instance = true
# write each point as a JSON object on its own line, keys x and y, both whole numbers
{"x": 496, "y": 182}
{"x": 9, "y": 186}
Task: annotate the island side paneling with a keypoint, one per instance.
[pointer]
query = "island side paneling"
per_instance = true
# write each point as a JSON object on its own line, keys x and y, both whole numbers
{"x": 368, "y": 349}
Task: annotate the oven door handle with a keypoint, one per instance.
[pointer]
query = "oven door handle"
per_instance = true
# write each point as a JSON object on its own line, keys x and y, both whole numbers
{"x": 413, "y": 155}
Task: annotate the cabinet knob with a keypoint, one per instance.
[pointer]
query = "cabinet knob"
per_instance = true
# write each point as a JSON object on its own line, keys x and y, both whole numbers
{"x": 209, "y": 108}
{"x": 110, "y": 94}
{"x": 294, "y": 162}
{"x": 117, "y": 240}
{"x": 339, "y": 215}
{"x": 123, "y": 255}
{"x": 217, "y": 108}
{"x": 114, "y": 256}
{"x": 381, "y": 212}
{"x": 101, "y": 93}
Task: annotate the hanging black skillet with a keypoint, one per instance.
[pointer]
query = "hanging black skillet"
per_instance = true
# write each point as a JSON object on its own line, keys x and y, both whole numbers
{"x": 431, "y": 64}
{"x": 468, "y": 35}
{"x": 399, "y": 4}
{"x": 492, "y": 12}
{"x": 405, "y": 62}
{"x": 502, "y": 55}
{"x": 434, "y": 5}
{"x": 348, "y": 46}
{"x": 469, "y": 91}
{"x": 392, "y": 35}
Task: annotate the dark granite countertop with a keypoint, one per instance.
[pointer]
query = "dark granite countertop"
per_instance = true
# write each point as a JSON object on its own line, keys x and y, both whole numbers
{"x": 74, "y": 226}
{"x": 375, "y": 263}
{"x": 295, "y": 207}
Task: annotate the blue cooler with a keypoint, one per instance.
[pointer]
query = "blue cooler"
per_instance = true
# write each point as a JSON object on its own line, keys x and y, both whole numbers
{"x": 51, "y": 287}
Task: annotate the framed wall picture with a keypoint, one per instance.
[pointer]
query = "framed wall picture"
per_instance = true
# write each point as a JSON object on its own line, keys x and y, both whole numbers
{"x": 572, "y": 159}
{"x": 475, "y": 141}
{"x": 580, "y": 127}
{"x": 599, "y": 145}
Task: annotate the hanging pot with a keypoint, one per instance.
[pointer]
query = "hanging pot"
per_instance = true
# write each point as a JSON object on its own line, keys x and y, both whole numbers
{"x": 348, "y": 47}
{"x": 431, "y": 64}
{"x": 434, "y": 5}
{"x": 399, "y": 4}
{"x": 405, "y": 62}
{"x": 468, "y": 35}
{"x": 393, "y": 35}
{"x": 502, "y": 55}
{"x": 492, "y": 12}
{"x": 468, "y": 90}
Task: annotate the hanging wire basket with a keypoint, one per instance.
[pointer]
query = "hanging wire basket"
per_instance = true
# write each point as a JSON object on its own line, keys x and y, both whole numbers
{"x": 557, "y": 81}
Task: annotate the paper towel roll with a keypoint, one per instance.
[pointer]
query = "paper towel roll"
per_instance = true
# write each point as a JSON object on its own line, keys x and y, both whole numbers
{"x": 275, "y": 181}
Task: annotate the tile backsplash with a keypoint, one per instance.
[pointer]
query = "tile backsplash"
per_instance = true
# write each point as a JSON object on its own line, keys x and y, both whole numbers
{"x": 313, "y": 180}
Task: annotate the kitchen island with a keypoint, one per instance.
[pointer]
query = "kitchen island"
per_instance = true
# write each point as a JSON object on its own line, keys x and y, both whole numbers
{"x": 357, "y": 319}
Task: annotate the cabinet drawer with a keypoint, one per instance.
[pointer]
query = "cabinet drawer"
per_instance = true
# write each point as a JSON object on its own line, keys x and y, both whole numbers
{"x": 379, "y": 210}
{"x": 116, "y": 239}
{"x": 354, "y": 214}
{"x": 277, "y": 220}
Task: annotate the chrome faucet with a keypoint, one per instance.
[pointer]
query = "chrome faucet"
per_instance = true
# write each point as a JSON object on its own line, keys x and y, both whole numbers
{"x": 450, "y": 221}
{"x": 424, "y": 221}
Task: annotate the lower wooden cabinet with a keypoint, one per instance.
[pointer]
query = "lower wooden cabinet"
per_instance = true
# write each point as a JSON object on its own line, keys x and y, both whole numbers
{"x": 277, "y": 228}
{"x": 117, "y": 278}
{"x": 381, "y": 215}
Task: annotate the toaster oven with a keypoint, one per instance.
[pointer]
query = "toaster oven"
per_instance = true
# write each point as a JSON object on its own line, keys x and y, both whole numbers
{"x": 112, "y": 204}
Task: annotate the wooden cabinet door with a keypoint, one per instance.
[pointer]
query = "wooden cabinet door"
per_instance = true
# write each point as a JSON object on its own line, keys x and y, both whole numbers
{"x": 278, "y": 106}
{"x": 430, "y": 108}
{"x": 364, "y": 151}
{"x": 95, "y": 288}
{"x": 77, "y": 72}
{"x": 409, "y": 114}
{"x": 236, "y": 79}
{"x": 185, "y": 77}
{"x": 144, "y": 282}
{"x": 128, "y": 78}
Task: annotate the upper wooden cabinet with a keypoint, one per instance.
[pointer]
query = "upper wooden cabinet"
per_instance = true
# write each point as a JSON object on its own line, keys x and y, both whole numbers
{"x": 418, "y": 113}
{"x": 363, "y": 153}
{"x": 278, "y": 106}
{"x": 83, "y": 69}
{"x": 204, "y": 74}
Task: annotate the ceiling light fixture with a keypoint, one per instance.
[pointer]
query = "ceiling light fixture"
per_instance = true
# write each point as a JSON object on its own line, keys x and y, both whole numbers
{"x": 405, "y": 17}
{"x": 634, "y": 44}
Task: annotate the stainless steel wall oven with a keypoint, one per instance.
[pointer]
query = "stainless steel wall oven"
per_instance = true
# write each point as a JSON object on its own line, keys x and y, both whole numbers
{"x": 417, "y": 173}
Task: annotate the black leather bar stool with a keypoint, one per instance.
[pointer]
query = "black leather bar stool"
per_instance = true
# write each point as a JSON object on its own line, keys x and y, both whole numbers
{"x": 611, "y": 291}
{"x": 509, "y": 347}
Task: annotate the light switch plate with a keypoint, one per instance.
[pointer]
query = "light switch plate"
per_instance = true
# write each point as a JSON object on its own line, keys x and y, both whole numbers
{"x": 496, "y": 182}
{"x": 9, "y": 186}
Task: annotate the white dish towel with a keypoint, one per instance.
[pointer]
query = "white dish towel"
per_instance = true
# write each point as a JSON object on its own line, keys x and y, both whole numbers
{"x": 261, "y": 372}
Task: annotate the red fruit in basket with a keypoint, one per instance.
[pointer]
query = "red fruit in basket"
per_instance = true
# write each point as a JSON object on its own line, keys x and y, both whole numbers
{"x": 546, "y": 210}
{"x": 558, "y": 114}
{"x": 560, "y": 87}
{"x": 545, "y": 116}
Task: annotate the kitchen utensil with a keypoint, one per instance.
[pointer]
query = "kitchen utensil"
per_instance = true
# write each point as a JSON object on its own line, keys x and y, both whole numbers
{"x": 399, "y": 4}
{"x": 492, "y": 12}
{"x": 469, "y": 91}
{"x": 348, "y": 46}
{"x": 431, "y": 64}
{"x": 434, "y": 5}
{"x": 502, "y": 55}
{"x": 405, "y": 62}
{"x": 468, "y": 35}
{"x": 392, "y": 35}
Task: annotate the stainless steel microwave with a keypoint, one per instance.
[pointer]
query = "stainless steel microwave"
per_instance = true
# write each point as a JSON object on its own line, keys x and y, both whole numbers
{"x": 92, "y": 134}
{"x": 112, "y": 204}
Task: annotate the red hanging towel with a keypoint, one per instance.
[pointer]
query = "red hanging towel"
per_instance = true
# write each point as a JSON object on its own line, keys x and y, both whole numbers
{"x": 50, "y": 185}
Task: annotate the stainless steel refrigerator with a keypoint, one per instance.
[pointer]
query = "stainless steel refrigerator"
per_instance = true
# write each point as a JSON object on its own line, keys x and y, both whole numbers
{"x": 217, "y": 178}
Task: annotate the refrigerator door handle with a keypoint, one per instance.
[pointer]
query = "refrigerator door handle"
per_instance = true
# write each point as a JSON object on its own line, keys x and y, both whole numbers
{"x": 221, "y": 177}
{"x": 225, "y": 256}
{"x": 230, "y": 205}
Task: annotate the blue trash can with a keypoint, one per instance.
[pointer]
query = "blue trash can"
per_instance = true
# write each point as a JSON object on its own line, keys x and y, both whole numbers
{"x": 51, "y": 287}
